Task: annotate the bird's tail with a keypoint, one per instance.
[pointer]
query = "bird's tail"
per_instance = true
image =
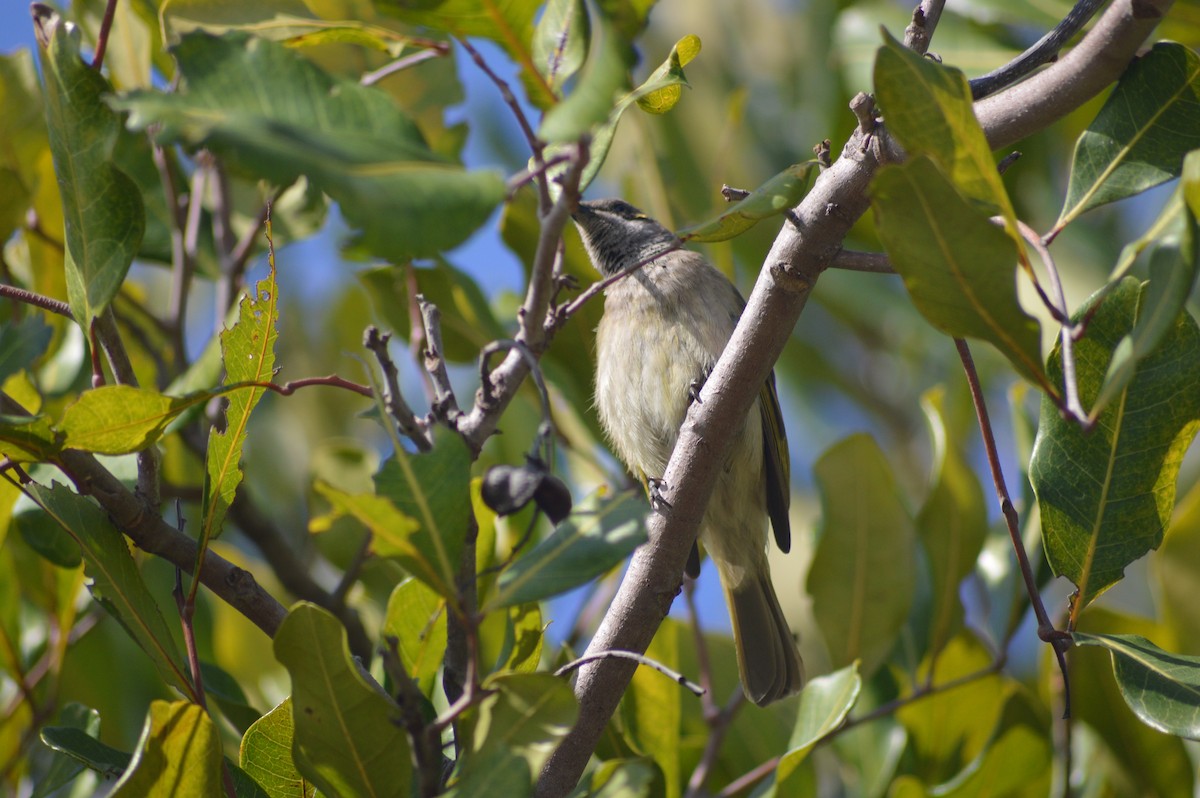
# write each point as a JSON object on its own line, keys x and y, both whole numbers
{"x": 768, "y": 660}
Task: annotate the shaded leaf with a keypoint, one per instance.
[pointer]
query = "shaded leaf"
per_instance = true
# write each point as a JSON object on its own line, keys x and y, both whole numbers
{"x": 117, "y": 583}
{"x": 222, "y": 688}
{"x": 28, "y": 438}
{"x": 1138, "y": 140}
{"x": 652, "y": 709}
{"x": 778, "y": 195}
{"x": 499, "y": 772}
{"x": 1015, "y": 761}
{"x": 560, "y": 43}
{"x": 527, "y": 716}
{"x": 178, "y": 754}
{"x": 1106, "y": 495}
{"x": 1173, "y": 267}
{"x": 21, "y": 343}
{"x": 598, "y": 535}
{"x": 1163, "y": 689}
{"x": 416, "y": 617}
{"x": 601, "y": 82}
{"x": 102, "y": 206}
{"x": 42, "y": 533}
{"x": 79, "y": 741}
{"x": 510, "y": 639}
{"x": 344, "y": 739}
{"x": 266, "y": 755}
{"x": 824, "y": 704}
{"x": 959, "y": 268}
{"x": 274, "y": 114}
{"x": 73, "y": 718}
{"x": 862, "y": 576}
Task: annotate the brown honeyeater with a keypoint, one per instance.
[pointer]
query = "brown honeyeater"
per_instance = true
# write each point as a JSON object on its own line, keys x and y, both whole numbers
{"x": 664, "y": 326}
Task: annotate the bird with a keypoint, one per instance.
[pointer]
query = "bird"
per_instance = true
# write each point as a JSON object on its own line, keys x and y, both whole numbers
{"x": 663, "y": 328}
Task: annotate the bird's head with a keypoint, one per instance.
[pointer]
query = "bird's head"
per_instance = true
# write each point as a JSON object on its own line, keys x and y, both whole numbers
{"x": 617, "y": 235}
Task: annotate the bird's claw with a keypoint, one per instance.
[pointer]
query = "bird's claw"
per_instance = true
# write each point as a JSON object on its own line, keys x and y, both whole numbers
{"x": 657, "y": 501}
{"x": 694, "y": 388}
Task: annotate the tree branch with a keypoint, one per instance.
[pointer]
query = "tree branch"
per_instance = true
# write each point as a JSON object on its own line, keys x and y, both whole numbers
{"x": 800, "y": 253}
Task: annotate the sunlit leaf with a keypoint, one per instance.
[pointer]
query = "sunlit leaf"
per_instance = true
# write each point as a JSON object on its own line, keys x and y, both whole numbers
{"x": 1162, "y": 688}
{"x": 598, "y": 534}
{"x": 959, "y": 268}
{"x": 103, "y": 209}
{"x": 28, "y": 438}
{"x": 416, "y": 617}
{"x": 510, "y": 639}
{"x": 1105, "y": 495}
{"x": 862, "y": 576}
{"x": 274, "y": 114}
{"x": 266, "y": 755}
{"x": 345, "y": 741}
{"x": 119, "y": 419}
{"x": 179, "y": 753}
{"x": 560, "y": 43}
{"x": 662, "y": 90}
{"x": 824, "y": 704}
{"x": 1016, "y": 760}
{"x": 601, "y": 82}
{"x": 527, "y": 716}
{"x": 1138, "y": 140}
{"x": 651, "y": 709}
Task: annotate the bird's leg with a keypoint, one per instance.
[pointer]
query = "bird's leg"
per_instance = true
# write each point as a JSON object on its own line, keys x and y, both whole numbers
{"x": 655, "y": 488}
{"x": 695, "y": 387}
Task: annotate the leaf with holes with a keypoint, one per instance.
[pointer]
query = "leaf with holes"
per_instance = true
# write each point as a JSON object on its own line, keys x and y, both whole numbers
{"x": 1106, "y": 495}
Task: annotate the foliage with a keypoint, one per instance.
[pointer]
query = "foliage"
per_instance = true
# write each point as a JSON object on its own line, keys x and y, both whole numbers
{"x": 297, "y": 171}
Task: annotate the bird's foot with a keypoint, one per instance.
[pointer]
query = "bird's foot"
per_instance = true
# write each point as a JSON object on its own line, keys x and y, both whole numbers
{"x": 657, "y": 501}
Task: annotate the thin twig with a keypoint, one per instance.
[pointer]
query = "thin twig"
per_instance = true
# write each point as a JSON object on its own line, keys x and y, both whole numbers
{"x": 404, "y": 62}
{"x": 924, "y": 21}
{"x": 1059, "y": 641}
{"x": 640, "y": 659}
{"x": 393, "y": 400}
{"x": 561, "y": 314}
{"x": 1043, "y": 51}
{"x": 351, "y": 574}
{"x": 445, "y": 403}
{"x": 106, "y": 22}
{"x": 37, "y": 300}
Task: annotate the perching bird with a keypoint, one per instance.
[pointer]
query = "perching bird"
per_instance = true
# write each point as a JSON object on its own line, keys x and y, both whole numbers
{"x": 664, "y": 326}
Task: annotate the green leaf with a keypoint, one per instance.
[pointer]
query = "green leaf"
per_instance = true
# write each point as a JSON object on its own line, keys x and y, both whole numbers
{"x": 119, "y": 419}
{"x": 1157, "y": 761}
{"x": 248, "y": 351}
{"x": 778, "y": 195}
{"x": 83, "y": 746}
{"x": 434, "y": 489}
{"x": 527, "y": 716}
{"x": 652, "y": 709}
{"x": 597, "y": 535}
{"x": 623, "y": 778}
{"x": 222, "y": 688}
{"x": 1173, "y": 267}
{"x": 1139, "y": 138}
{"x": 75, "y": 719}
{"x": 1163, "y": 689}
{"x": 178, "y": 754}
{"x": 510, "y": 639}
{"x": 42, "y": 533}
{"x": 661, "y": 91}
{"x": 1176, "y": 568}
{"x": 416, "y": 617}
{"x": 928, "y": 108}
{"x": 1106, "y": 495}
{"x": 959, "y": 268}
{"x": 345, "y": 740}
{"x": 116, "y": 581}
{"x": 560, "y": 43}
{"x": 1015, "y": 761}
{"x": 601, "y": 82}
{"x": 499, "y": 772}
{"x": 21, "y": 343}
{"x": 102, "y": 206}
{"x": 952, "y": 525}
{"x": 274, "y": 114}
{"x": 28, "y": 438}
{"x": 266, "y": 755}
{"x": 862, "y": 577}
{"x": 824, "y": 704}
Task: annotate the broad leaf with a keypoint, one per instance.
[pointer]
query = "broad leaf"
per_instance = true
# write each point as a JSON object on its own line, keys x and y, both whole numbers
{"x": 778, "y": 195}
{"x": 1162, "y": 688}
{"x": 601, "y": 82}
{"x": 928, "y": 108}
{"x": 266, "y": 755}
{"x": 75, "y": 736}
{"x": 824, "y": 704}
{"x": 116, "y": 582}
{"x": 119, "y": 419}
{"x": 21, "y": 343}
{"x": 651, "y": 710}
{"x": 1016, "y": 761}
{"x": 1105, "y": 495}
{"x": 598, "y": 535}
{"x": 527, "y": 716}
{"x": 416, "y": 617}
{"x": 103, "y": 209}
{"x": 345, "y": 741}
{"x": 179, "y": 753}
{"x": 28, "y": 438}
{"x": 560, "y": 43}
{"x": 223, "y": 689}
{"x": 510, "y": 639}
{"x": 959, "y": 268}
{"x": 1138, "y": 140}
{"x": 274, "y": 114}
{"x": 862, "y": 576}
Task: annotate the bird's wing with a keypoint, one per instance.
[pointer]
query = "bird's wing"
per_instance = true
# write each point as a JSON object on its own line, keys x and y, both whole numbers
{"x": 778, "y": 466}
